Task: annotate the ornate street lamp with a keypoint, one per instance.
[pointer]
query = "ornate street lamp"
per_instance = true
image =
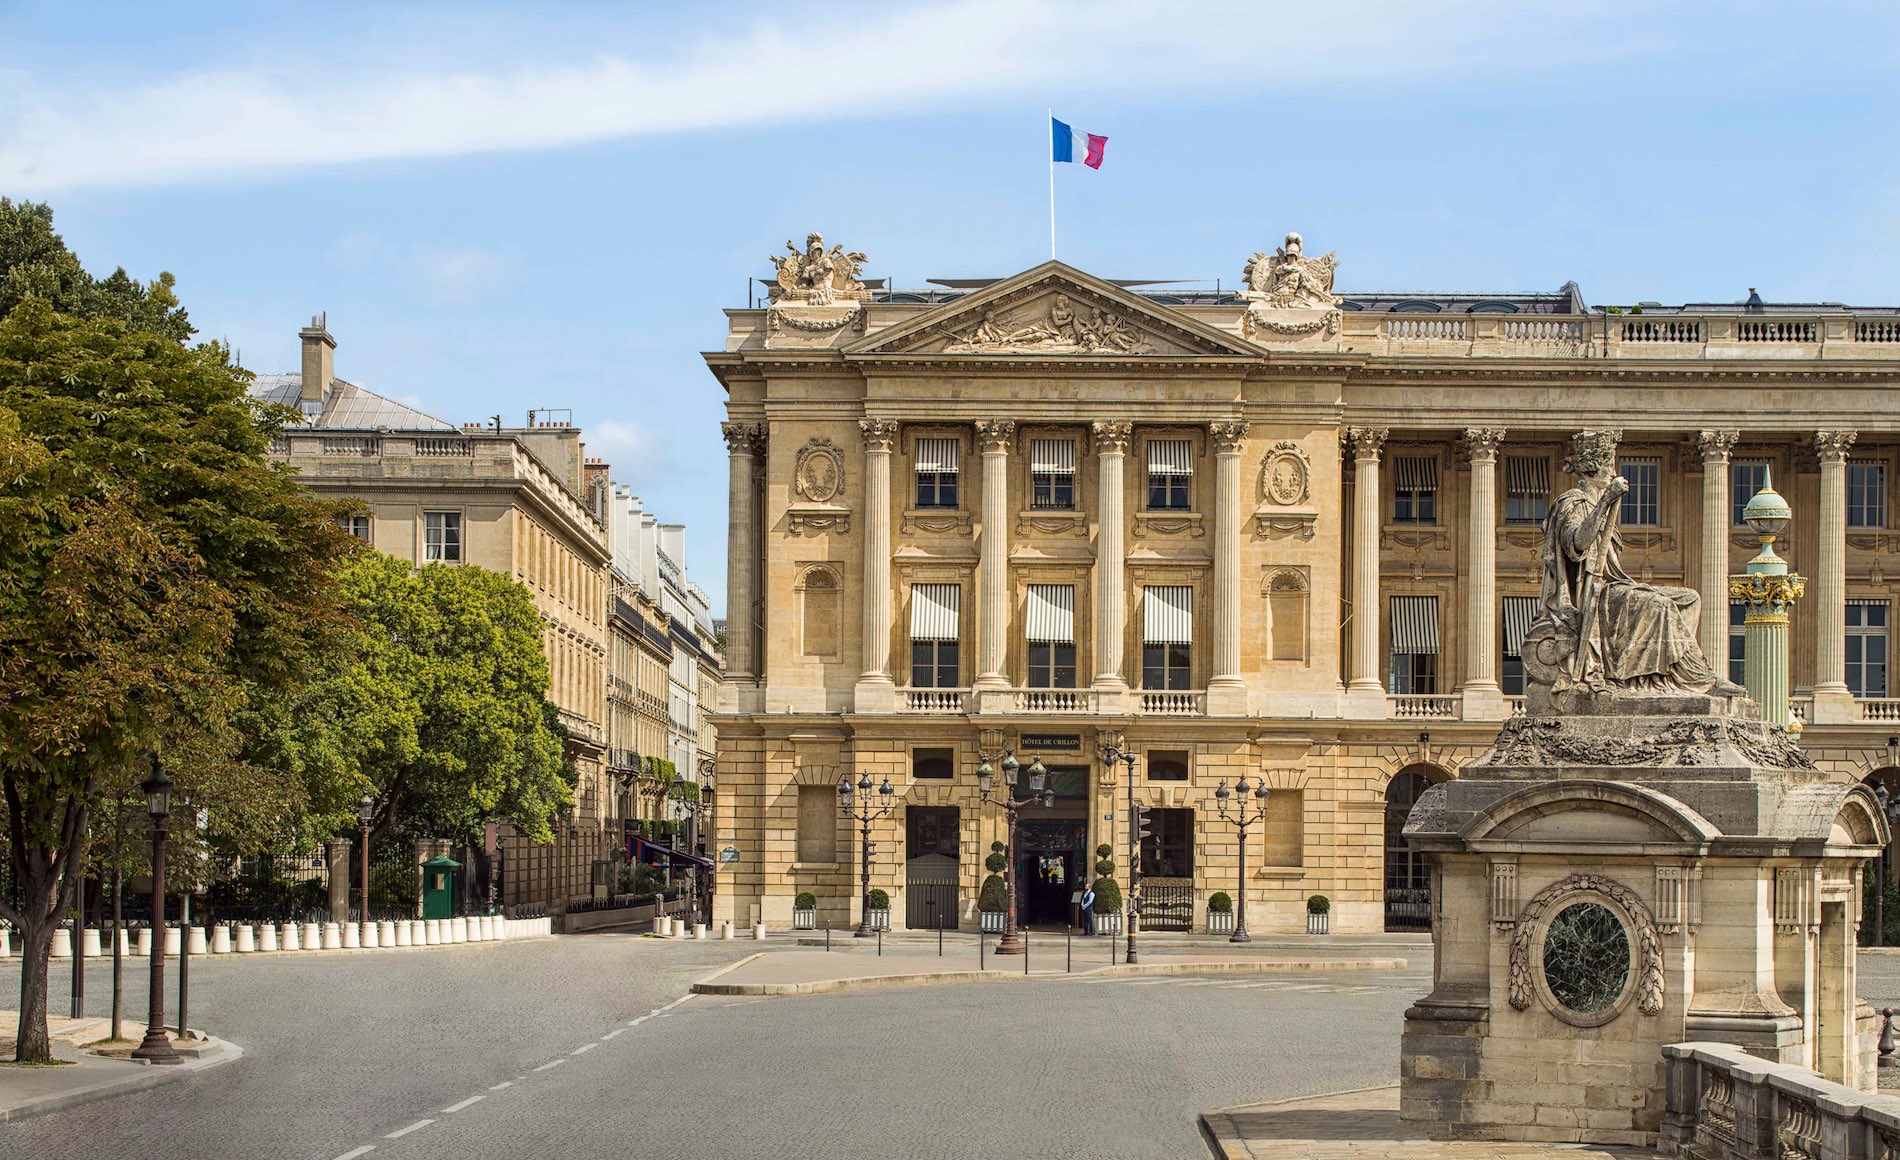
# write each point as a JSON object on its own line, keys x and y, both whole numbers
{"x": 1012, "y": 805}
{"x": 365, "y": 810}
{"x": 157, "y": 1045}
{"x": 1767, "y": 590}
{"x": 1240, "y": 818}
{"x": 865, "y": 810}
{"x": 1115, "y": 753}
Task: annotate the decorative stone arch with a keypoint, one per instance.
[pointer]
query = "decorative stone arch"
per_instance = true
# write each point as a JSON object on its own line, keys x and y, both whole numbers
{"x": 1502, "y": 818}
{"x": 1407, "y": 874}
{"x": 819, "y": 589}
{"x": 1859, "y": 821}
{"x": 1289, "y": 613}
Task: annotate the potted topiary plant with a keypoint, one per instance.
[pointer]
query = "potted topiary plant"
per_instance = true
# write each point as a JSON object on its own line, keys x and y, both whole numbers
{"x": 993, "y": 900}
{"x": 1318, "y": 912}
{"x": 1220, "y": 913}
{"x": 880, "y": 908}
{"x": 1108, "y": 894}
{"x": 805, "y": 911}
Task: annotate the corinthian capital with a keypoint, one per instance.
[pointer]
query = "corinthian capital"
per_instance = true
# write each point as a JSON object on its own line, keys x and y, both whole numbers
{"x": 1112, "y": 435}
{"x": 879, "y": 434}
{"x": 1716, "y": 446}
{"x": 995, "y": 434}
{"x": 1831, "y": 446}
{"x": 1227, "y": 434}
{"x": 1365, "y": 442}
{"x": 744, "y": 438}
{"x": 1480, "y": 444}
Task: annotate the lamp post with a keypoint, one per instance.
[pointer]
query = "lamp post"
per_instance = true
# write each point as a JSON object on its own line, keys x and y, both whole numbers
{"x": 1240, "y": 818}
{"x": 1012, "y": 941}
{"x": 1767, "y": 590}
{"x": 1113, "y": 753}
{"x": 865, "y": 811}
{"x": 365, "y": 810}
{"x": 156, "y": 1047}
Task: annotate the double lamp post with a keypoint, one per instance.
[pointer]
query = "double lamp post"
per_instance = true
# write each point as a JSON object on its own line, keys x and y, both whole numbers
{"x": 1012, "y": 942}
{"x": 864, "y": 810}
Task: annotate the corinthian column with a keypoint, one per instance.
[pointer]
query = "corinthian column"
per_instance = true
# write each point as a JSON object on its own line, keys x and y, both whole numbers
{"x": 876, "y": 692}
{"x": 1365, "y": 694}
{"x": 1832, "y": 701}
{"x": 1111, "y": 456}
{"x": 744, "y": 442}
{"x": 1716, "y": 447}
{"x": 992, "y": 567}
{"x": 1226, "y": 692}
{"x": 1483, "y": 699}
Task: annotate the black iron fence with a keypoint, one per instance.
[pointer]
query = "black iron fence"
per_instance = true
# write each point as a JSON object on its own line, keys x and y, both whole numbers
{"x": 265, "y": 888}
{"x": 1167, "y": 904}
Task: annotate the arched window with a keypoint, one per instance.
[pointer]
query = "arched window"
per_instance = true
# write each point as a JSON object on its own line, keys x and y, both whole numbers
{"x": 1408, "y": 873}
{"x": 1493, "y": 308}
{"x": 1416, "y": 306}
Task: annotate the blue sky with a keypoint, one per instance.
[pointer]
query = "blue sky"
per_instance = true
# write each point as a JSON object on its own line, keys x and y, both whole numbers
{"x": 512, "y": 207}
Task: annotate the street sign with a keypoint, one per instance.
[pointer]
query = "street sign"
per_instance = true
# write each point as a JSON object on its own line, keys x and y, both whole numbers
{"x": 728, "y": 853}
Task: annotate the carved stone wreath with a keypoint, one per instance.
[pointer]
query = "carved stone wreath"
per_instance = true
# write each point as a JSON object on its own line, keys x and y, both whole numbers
{"x": 1285, "y": 478}
{"x": 1259, "y": 319}
{"x": 1648, "y": 965}
{"x": 819, "y": 473}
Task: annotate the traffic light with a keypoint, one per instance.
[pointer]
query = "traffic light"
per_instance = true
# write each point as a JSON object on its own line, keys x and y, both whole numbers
{"x": 1144, "y": 823}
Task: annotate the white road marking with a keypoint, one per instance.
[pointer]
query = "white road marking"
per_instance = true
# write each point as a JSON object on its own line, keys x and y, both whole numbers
{"x": 507, "y": 1083}
{"x": 405, "y": 1131}
{"x": 465, "y": 1103}
{"x": 584, "y": 1048}
{"x": 551, "y": 1063}
{"x": 353, "y": 1153}
{"x": 637, "y": 1022}
{"x": 612, "y": 1033}
{"x": 676, "y": 1002}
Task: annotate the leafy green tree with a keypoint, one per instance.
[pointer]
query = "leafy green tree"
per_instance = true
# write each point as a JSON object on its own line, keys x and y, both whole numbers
{"x": 35, "y": 261}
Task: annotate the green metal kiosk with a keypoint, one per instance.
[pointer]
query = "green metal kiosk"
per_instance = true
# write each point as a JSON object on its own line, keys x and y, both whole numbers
{"x": 438, "y": 887}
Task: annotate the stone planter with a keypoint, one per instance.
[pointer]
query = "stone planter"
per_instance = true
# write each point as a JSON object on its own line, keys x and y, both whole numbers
{"x": 881, "y": 919}
{"x": 1220, "y": 922}
{"x": 1318, "y": 923}
{"x": 992, "y": 921}
{"x": 1108, "y": 923}
{"x": 804, "y": 920}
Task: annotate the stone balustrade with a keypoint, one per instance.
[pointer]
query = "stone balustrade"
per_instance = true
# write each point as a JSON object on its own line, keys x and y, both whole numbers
{"x": 1657, "y": 335}
{"x": 1725, "y": 1104}
{"x": 1420, "y": 707}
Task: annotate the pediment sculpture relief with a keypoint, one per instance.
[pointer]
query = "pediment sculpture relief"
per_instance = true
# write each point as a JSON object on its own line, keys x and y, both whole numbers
{"x": 1288, "y": 293}
{"x": 1056, "y": 325}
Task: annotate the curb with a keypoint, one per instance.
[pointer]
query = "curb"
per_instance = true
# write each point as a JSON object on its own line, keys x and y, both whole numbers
{"x": 1230, "y": 1145}
{"x": 145, "y": 1077}
{"x": 708, "y": 985}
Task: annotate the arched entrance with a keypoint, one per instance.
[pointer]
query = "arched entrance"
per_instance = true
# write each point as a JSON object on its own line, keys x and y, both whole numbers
{"x": 1408, "y": 873}
{"x": 1880, "y": 892}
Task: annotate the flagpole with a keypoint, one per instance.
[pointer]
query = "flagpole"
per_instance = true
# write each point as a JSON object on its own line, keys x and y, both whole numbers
{"x": 1049, "y": 128}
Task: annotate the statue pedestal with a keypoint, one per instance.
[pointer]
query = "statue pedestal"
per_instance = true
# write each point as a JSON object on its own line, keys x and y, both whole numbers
{"x": 1619, "y": 873}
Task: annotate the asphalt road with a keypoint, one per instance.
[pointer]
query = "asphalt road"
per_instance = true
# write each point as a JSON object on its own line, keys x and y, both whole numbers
{"x": 553, "y": 1048}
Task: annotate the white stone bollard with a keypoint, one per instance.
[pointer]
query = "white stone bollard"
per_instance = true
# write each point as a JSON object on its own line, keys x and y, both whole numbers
{"x": 352, "y": 937}
{"x": 291, "y": 939}
{"x": 659, "y": 925}
{"x": 758, "y": 930}
{"x": 173, "y": 942}
{"x": 246, "y": 939}
{"x": 145, "y": 942}
{"x": 432, "y": 932}
{"x": 402, "y": 933}
{"x": 312, "y": 936}
{"x": 198, "y": 946}
{"x": 386, "y": 933}
{"x": 332, "y": 936}
{"x": 6, "y": 942}
{"x": 725, "y": 930}
{"x": 89, "y": 943}
{"x": 267, "y": 936}
{"x": 460, "y": 931}
{"x": 220, "y": 940}
{"x": 368, "y": 936}
{"x": 487, "y": 925}
{"x": 699, "y": 930}
{"x": 62, "y": 943}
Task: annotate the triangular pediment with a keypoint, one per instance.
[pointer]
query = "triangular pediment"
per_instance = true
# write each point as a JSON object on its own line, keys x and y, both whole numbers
{"x": 1055, "y": 311}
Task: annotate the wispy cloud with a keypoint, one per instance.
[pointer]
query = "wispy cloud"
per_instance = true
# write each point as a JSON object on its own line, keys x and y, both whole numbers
{"x": 445, "y": 275}
{"x": 195, "y": 126}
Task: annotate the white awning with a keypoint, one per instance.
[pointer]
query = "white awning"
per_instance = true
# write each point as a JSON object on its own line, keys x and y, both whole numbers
{"x": 933, "y": 611}
{"x": 1414, "y": 624}
{"x": 937, "y": 455}
{"x": 1519, "y": 611}
{"x": 1050, "y": 618}
{"x": 1167, "y": 614}
{"x": 1170, "y": 457}
{"x": 1415, "y": 472}
{"x": 1524, "y": 475}
{"x": 1052, "y": 456}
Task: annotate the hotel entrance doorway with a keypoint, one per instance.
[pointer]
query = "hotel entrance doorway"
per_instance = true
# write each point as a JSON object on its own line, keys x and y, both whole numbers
{"x": 1052, "y": 851}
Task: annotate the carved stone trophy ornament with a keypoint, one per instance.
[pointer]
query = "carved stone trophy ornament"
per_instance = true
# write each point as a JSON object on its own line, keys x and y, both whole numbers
{"x": 816, "y": 291}
{"x": 1290, "y": 294}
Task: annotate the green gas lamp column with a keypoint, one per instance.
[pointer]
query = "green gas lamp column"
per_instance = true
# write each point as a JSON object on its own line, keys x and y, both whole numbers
{"x": 1767, "y": 590}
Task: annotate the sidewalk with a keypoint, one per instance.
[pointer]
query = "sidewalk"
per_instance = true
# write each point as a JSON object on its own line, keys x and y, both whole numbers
{"x": 83, "y": 1076}
{"x": 1363, "y": 1125}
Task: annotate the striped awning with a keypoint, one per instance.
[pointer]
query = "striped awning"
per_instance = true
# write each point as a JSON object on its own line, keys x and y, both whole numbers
{"x": 938, "y": 455}
{"x": 1415, "y": 472}
{"x": 933, "y": 611}
{"x": 1170, "y": 457}
{"x": 1414, "y": 624}
{"x": 1050, "y": 617}
{"x": 1052, "y": 456}
{"x": 1526, "y": 475}
{"x": 1167, "y": 614}
{"x": 1519, "y": 611}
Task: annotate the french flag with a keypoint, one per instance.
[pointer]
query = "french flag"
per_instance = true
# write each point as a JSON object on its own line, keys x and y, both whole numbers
{"x": 1075, "y": 145}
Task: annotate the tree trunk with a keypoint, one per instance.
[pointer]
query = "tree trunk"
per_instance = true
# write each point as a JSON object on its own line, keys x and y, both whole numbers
{"x": 32, "y": 1043}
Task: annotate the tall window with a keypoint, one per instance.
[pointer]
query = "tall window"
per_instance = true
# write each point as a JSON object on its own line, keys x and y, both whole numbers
{"x": 1737, "y": 640}
{"x": 937, "y": 473}
{"x": 1052, "y": 474}
{"x": 1414, "y": 645}
{"x": 1167, "y": 636}
{"x": 1170, "y": 468}
{"x": 1168, "y": 850}
{"x": 1867, "y": 648}
{"x": 442, "y": 537}
{"x": 1049, "y": 627}
{"x": 1642, "y": 503}
{"x": 1745, "y": 478}
{"x": 1415, "y": 489}
{"x": 1866, "y": 493}
{"x": 1526, "y": 489}
{"x": 933, "y": 635}
{"x": 357, "y": 526}
{"x": 1519, "y": 611}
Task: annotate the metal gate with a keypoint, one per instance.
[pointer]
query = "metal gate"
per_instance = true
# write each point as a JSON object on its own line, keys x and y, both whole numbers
{"x": 930, "y": 903}
{"x": 1167, "y": 904}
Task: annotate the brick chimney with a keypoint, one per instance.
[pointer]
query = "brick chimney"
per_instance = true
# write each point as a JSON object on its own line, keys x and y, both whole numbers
{"x": 319, "y": 359}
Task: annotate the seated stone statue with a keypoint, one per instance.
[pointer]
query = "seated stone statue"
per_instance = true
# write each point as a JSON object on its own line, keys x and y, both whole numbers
{"x": 1600, "y": 629}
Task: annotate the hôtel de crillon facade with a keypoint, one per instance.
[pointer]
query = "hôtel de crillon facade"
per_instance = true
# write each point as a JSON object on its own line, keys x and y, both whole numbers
{"x": 1283, "y": 533}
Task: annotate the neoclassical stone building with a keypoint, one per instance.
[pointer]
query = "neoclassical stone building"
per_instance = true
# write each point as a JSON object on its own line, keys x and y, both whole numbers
{"x": 1278, "y": 533}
